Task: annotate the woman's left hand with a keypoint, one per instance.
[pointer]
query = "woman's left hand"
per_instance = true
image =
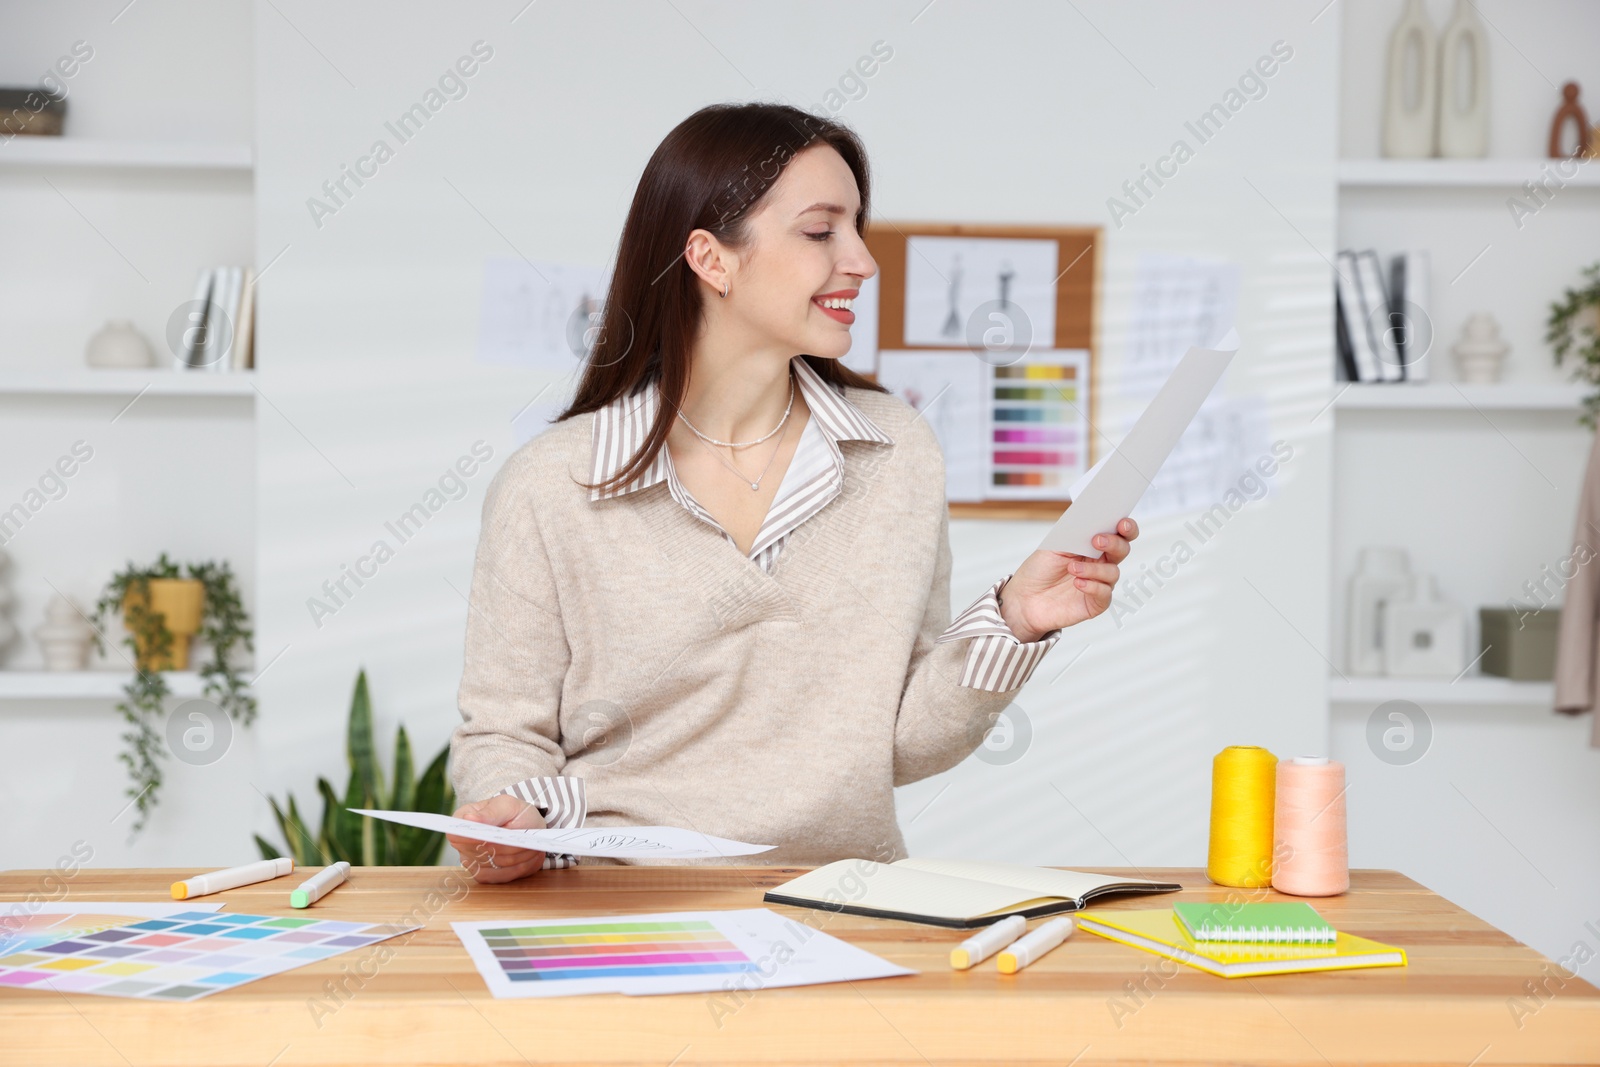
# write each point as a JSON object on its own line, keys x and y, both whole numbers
{"x": 1052, "y": 590}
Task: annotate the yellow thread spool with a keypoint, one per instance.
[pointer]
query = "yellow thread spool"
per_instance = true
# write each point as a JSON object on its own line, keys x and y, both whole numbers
{"x": 1243, "y": 791}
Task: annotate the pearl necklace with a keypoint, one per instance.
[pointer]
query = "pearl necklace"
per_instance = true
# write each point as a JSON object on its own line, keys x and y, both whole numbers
{"x": 709, "y": 441}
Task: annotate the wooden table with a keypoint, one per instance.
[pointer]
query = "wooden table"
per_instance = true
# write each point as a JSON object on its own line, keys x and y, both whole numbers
{"x": 1092, "y": 1001}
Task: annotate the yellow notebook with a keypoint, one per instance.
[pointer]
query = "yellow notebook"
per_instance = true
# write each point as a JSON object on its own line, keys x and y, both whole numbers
{"x": 1160, "y": 932}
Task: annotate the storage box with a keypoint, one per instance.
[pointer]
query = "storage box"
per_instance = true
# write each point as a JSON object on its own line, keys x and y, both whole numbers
{"x": 1520, "y": 645}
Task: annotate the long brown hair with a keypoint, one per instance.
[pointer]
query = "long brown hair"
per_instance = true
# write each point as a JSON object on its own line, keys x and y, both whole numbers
{"x": 709, "y": 173}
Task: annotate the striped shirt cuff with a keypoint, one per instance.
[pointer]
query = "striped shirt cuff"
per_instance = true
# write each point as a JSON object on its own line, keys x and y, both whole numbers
{"x": 997, "y": 661}
{"x": 561, "y": 801}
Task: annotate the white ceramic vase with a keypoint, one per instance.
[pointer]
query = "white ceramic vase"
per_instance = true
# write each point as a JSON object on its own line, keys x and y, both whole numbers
{"x": 1410, "y": 103}
{"x": 65, "y": 637}
{"x": 1463, "y": 85}
{"x": 1382, "y": 574}
{"x": 1481, "y": 353}
{"x": 119, "y": 345}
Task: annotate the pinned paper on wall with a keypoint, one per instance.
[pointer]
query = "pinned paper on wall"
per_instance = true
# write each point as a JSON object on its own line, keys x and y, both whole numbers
{"x": 1038, "y": 441}
{"x": 951, "y": 391}
{"x": 863, "y": 355}
{"x": 539, "y": 314}
{"x": 671, "y": 952}
{"x": 1179, "y": 302}
{"x": 980, "y": 292}
{"x": 659, "y": 842}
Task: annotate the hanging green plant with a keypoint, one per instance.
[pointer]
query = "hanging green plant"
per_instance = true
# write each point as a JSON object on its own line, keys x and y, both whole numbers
{"x": 161, "y": 610}
{"x": 360, "y": 839}
{"x": 1571, "y": 331}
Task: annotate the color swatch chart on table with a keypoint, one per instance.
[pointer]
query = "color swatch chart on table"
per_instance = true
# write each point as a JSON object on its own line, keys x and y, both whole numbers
{"x": 614, "y": 950}
{"x": 668, "y": 952}
{"x": 184, "y": 956}
{"x": 1039, "y": 425}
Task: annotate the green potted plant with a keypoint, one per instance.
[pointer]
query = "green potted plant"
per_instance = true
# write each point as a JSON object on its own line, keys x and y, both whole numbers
{"x": 162, "y": 607}
{"x": 1573, "y": 329}
{"x": 360, "y": 839}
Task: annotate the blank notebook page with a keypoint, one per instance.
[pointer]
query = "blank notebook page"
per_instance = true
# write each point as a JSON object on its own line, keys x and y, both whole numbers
{"x": 896, "y": 888}
{"x": 1038, "y": 880}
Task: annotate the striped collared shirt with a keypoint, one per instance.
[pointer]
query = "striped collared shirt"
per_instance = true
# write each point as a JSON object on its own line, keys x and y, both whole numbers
{"x": 996, "y": 661}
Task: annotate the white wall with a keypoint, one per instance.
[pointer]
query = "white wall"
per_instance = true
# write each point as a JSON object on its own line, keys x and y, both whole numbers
{"x": 1499, "y": 814}
{"x": 369, "y": 322}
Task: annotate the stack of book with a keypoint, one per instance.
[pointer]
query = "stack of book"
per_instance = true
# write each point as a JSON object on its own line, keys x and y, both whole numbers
{"x": 1243, "y": 940}
{"x": 1383, "y": 324}
{"x": 220, "y": 335}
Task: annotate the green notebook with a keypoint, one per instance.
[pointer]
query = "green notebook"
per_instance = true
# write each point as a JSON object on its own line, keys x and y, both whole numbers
{"x": 1281, "y": 922}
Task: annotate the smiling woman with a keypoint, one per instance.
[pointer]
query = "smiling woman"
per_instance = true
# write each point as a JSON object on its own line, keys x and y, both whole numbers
{"x": 736, "y": 540}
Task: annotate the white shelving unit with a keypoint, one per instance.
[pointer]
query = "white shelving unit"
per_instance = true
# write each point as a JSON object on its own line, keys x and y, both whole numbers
{"x": 1433, "y": 174}
{"x": 1454, "y": 396}
{"x": 165, "y": 155}
{"x": 1471, "y": 690}
{"x": 86, "y": 685}
{"x": 154, "y": 382}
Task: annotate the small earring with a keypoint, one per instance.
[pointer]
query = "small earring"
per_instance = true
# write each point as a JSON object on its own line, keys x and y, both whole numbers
{"x": 724, "y": 287}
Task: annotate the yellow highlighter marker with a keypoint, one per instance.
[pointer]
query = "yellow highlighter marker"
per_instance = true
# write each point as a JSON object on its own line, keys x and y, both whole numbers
{"x": 1036, "y": 944}
{"x": 987, "y": 942}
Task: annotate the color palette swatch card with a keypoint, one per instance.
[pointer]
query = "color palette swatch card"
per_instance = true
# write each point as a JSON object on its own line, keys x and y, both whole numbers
{"x": 26, "y": 926}
{"x": 1039, "y": 424}
{"x": 186, "y": 955}
{"x": 672, "y": 952}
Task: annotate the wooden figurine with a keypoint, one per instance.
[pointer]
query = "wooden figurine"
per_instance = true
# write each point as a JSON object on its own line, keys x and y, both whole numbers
{"x": 1569, "y": 111}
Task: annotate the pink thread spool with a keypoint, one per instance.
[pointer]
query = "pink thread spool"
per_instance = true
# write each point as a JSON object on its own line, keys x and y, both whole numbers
{"x": 1311, "y": 852}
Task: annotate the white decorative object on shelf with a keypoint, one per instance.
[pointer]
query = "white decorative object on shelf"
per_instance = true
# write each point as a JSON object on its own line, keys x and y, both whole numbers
{"x": 65, "y": 636}
{"x": 7, "y": 631}
{"x": 1411, "y": 103}
{"x": 1424, "y": 636}
{"x": 119, "y": 345}
{"x": 1382, "y": 574}
{"x": 1481, "y": 353}
{"x": 1463, "y": 85}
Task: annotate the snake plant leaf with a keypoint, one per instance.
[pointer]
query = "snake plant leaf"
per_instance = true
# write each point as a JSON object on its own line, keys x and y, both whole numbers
{"x": 267, "y": 851}
{"x": 419, "y": 847}
{"x": 405, "y": 774}
{"x": 341, "y": 845}
{"x": 359, "y": 747}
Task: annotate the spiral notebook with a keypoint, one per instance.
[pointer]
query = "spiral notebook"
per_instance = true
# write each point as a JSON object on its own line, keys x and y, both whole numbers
{"x": 1285, "y": 922}
{"x": 1161, "y": 932}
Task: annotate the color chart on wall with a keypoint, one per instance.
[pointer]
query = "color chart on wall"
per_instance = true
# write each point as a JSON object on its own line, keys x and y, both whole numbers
{"x": 184, "y": 956}
{"x": 1039, "y": 425}
{"x": 677, "y": 952}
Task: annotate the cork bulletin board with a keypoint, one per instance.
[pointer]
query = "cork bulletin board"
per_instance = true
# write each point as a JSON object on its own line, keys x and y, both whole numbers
{"x": 1019, "y": 427}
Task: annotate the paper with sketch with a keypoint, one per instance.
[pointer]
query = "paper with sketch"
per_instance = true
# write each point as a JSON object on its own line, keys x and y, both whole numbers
{"x": 1108, "y": 492}
{"x": 672, "y": 952}
{"x": 656, "y": 842}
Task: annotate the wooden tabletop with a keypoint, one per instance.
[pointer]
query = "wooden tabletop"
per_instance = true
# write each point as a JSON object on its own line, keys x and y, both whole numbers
{"x": 1463, "y": 999}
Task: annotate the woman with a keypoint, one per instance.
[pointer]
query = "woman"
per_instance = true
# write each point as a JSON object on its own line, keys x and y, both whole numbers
{"x": 716, "y": 592}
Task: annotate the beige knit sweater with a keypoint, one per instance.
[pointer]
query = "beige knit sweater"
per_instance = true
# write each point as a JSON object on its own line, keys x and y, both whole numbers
{"x": 781, "y": 709}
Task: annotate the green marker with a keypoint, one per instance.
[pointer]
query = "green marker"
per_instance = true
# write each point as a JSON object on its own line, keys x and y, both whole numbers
{"x": 319, "y": 885}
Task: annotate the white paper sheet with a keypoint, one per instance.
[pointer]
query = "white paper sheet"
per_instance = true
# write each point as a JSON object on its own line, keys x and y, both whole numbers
{"x": 1000, "y": 289}
{"x": 863, "y": 354}
{"x": 670, "y": 952}
{"x": 539, "y": 313}
{"x": 951, "y": 390}
{"x": 1108, "y": 494}
{"x": 657, "y": 842}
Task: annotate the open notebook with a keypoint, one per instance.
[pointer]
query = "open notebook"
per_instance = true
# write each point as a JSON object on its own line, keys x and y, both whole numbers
{"x": 955, "y": 893}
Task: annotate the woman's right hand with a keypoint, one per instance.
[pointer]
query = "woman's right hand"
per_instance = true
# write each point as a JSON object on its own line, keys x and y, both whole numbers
{"x": 509, "y": 862}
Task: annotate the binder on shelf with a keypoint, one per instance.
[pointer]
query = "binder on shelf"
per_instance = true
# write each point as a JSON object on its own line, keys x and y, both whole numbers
{"x": 194, "y": 334}
{"x": 244, "y": 324}
{"x": 1411, "y": 310}
{"x": 1364, "y": 354}
{"x": 1375, "y": 316}
{"x": 1347, "y": 356}
{"x": 222, "y": 339}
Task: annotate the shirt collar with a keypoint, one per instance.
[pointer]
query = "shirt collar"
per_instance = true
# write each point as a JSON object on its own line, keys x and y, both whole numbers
{"x": 622, "y": 425}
